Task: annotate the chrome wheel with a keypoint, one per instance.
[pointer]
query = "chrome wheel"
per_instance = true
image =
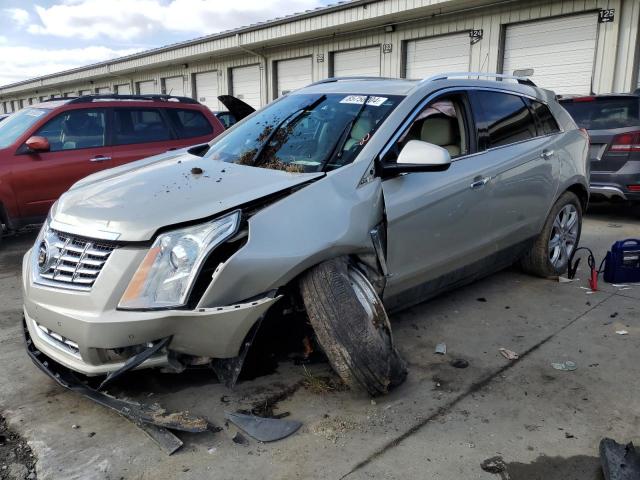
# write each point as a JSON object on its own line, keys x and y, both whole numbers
{"x": 564, "y": 235}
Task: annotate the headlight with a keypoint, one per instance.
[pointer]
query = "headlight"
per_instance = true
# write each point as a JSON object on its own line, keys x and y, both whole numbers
{"x": 166, "y": 275}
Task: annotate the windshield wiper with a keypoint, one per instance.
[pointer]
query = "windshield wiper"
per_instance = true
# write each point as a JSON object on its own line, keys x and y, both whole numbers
{"x": 336, "y": 150}
{"x": 289, "y": 118}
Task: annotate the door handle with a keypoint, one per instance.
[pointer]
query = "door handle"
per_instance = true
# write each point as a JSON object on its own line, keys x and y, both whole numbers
{"x": 100, "y": 158}
{"x": 479, "y": 182}
{"x": 547, "y": 154}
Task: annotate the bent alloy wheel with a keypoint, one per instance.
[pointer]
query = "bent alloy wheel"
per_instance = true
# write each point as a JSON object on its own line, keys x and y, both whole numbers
{"x": 549, "y": 255}
{"x": 352, "y": 326}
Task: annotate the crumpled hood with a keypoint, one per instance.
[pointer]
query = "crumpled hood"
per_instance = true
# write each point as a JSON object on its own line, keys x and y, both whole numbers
{"x": 132, "y": 202}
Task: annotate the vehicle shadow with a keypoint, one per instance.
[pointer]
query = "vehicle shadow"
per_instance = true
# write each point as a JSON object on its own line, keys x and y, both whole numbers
{"x": 617, "y": 211}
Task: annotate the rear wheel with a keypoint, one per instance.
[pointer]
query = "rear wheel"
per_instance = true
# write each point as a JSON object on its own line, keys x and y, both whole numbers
{"x": 352, "y": 326}
{"x": 549, "y": 255}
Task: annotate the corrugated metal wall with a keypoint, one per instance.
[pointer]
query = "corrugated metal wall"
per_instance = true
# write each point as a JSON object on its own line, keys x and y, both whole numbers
{"x": 616, "y": 60}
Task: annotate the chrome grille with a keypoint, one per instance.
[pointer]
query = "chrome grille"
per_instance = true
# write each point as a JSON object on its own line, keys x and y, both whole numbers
{"x": 72, "y": 262}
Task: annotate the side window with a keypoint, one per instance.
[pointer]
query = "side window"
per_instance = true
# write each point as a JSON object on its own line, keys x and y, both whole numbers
{"x": 189, "y": 123}
{"x": 501, "y": 119}
{"x": 139, "y": 125}
{"x": 443, "y": 123}
{"x": 546, "y": 123}
{"x": 75, "y": 129}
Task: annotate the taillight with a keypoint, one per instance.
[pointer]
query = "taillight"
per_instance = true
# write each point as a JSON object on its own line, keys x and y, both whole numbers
{"x": 634, "y": 188}
{"x": 583, "y": 99}
{"x": 626, "y": 142}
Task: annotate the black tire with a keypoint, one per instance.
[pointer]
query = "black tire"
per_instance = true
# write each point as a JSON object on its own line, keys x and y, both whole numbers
{"x": 357, "y": 340}
{"x": 537, "y": 261}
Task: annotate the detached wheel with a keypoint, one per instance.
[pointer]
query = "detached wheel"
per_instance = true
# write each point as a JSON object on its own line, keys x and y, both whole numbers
{"x": 352, "y": 326}
{"x": 549, "y": 255}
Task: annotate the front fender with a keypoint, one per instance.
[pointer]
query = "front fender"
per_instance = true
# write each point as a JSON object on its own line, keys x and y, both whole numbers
{"x": 326, "y": 219}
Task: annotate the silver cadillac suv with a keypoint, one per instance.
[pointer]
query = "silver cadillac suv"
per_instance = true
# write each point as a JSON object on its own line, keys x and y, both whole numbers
{"x": 354, "y": 197}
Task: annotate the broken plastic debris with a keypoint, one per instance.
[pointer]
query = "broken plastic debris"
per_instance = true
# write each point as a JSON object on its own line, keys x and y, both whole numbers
{"x": 619, "y": 285}
{"x": 622, "y": 332}
{"x": 619, "y": 462}
{"x": 263, "y": 429}
{"x": 441, "y": 349}
{"x": 493, "y": 465}
{"x": 212, "y": 450}
{"x": 508, "y": 354}
{"x": 562, "y": 279}
{"x": 567, "y": 366}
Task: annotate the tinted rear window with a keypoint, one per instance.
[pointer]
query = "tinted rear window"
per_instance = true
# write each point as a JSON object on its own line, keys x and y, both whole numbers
{"x": 501, "y": 119}
{"x": 190, "y": 123}
{"x": 604, "y": 113}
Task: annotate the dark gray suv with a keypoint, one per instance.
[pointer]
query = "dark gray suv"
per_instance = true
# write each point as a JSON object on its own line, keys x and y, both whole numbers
{"x": 613, "y": 124}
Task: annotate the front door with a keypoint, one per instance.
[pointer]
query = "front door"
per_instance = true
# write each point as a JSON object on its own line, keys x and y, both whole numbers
{"x": 78, "y": 148}
{"x": 437, "y": 222}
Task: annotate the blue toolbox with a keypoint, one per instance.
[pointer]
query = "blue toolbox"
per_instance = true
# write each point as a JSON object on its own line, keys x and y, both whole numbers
{"x": 622, "y": 263}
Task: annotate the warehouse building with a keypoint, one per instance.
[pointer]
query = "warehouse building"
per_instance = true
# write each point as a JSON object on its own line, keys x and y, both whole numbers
{"x": 569, "y": 46}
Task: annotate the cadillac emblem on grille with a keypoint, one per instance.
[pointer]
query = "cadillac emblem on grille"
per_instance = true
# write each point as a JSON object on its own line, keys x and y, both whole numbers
{"x": 68, "y": 261}
{"x": 42, "y": 257}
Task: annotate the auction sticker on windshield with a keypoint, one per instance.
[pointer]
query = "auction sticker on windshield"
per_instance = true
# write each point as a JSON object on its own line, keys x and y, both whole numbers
{"x": 359, "y": 100}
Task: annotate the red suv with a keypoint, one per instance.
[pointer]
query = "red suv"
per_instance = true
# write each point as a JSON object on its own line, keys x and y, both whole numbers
{"x": 47, "y": 147}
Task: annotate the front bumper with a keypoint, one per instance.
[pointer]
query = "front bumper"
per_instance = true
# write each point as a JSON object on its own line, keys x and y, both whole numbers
{"x": 82, "y": 334}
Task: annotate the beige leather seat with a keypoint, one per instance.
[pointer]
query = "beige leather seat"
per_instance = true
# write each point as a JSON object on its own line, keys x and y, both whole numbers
{"x": 441, "y": 131}
{"x": 358, "y": 132}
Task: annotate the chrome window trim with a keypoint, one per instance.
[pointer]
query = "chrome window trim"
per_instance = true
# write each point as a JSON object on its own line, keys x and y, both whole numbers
{"x": 416, "y": 111}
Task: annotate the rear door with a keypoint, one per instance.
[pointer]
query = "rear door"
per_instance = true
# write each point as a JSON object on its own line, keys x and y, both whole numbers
{"x": 140, "y": 132}
{"x": 525, "y": 166}
{"x": 78, "y": 148}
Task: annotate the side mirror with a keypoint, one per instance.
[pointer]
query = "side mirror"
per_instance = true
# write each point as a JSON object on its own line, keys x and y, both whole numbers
{"x": 38, "y": 144}
{"x": 419, "y": 156}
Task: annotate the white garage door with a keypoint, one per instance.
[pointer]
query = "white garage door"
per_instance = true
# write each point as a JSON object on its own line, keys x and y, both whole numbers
{"x": 124, "y": 89}
{"x": 103, "y": 90}
{"x": 174, "y": 86}
{"x": 430, "y": 56}
{"x": 146, "y": 88}
{"x": 245, "y": 84}
{"x": 83, "y": 92}
{"x": 362, "y": 61}
{"x": 207, "y": 89}
{"x": 560, "y": 51}
{"x": 293, "y": 74}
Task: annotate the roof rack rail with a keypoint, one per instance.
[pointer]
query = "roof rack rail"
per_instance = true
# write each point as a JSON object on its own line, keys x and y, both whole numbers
{"x": 161, "y": 98}
{"x": 340, "y": 79}
{"x": 501, "y": 76}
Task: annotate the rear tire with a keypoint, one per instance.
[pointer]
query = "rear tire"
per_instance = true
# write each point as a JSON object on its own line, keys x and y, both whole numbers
{"x": 352, "y": 326}
{"x": 549, "y": 255}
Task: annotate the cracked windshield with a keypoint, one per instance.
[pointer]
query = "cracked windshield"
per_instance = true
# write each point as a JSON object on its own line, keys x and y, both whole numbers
{"x": 306, "y": 133}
